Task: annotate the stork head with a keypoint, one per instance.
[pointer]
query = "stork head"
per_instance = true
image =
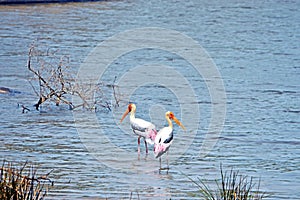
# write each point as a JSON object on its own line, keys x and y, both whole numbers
{"x": 131, "y": 108}
{"x": 171, "y": 116}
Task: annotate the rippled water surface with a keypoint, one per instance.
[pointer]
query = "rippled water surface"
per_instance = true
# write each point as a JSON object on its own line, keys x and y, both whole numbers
{"x": 255, "y": 46}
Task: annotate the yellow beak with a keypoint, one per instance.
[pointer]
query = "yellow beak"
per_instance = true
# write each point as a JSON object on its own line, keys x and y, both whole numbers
{"x": 178, "y": 122}
{"x": 124, "y": 115}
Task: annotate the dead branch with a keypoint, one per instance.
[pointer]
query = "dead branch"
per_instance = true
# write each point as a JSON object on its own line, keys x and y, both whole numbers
{"x": 117, "y": 100}
{"x": 25, "y": 109}
{"x": 58, "y": 85}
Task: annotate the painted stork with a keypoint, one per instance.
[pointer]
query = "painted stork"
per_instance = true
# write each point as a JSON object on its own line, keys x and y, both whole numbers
{"x": 164, "y": 138}
{"x": 140, "y": 127}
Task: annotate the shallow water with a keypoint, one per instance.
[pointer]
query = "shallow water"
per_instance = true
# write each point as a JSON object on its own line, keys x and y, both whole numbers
{"x": 255, "y": 46}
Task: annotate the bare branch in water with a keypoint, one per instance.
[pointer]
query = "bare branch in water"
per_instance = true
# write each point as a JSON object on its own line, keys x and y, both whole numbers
{"x": 56, "y": 83}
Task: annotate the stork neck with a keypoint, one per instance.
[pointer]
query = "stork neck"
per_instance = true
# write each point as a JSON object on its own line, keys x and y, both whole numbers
{"x": 169, "y": 122}
{"x": 132, "y": 115}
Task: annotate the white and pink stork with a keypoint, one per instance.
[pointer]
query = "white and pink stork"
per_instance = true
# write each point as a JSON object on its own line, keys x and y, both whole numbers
{"x": 164, "y": 138}
{"x": 140, "y": 127}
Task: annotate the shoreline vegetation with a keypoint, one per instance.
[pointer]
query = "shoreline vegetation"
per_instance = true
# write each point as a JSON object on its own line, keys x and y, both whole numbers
{"x": 23, "y": 182}
{"x": 231, "y": 186}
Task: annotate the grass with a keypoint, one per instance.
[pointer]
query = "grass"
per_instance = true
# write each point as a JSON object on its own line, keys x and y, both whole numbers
{"x": 22, "y": 183}
{"x": 231, "y": 186}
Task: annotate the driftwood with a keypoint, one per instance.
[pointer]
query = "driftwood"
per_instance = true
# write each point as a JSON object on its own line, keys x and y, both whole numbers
{"x": 56, "y": 83}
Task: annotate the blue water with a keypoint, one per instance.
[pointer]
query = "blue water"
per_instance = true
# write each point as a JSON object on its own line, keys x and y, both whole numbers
{"x": 255, "y": 47}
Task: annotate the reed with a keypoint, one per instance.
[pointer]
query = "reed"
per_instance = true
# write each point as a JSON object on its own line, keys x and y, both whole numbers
{"x": 22, "y": 183}
{"x": 231, "y": 186}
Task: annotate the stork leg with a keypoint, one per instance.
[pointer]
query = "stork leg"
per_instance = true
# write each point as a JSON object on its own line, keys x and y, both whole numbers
{"x": 167, "y": 161}
{"x": 139, "y": 142}
{"x": 160, "y": 164}
{"x": 167, "y": 167}
{"x": 146, "y": 145}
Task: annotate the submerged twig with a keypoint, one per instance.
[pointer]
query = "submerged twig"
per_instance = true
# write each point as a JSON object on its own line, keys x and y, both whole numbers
{"x": 117, "y": 100}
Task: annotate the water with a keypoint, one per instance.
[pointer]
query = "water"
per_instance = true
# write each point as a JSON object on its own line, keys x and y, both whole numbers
{"x": 255, "y": 46}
